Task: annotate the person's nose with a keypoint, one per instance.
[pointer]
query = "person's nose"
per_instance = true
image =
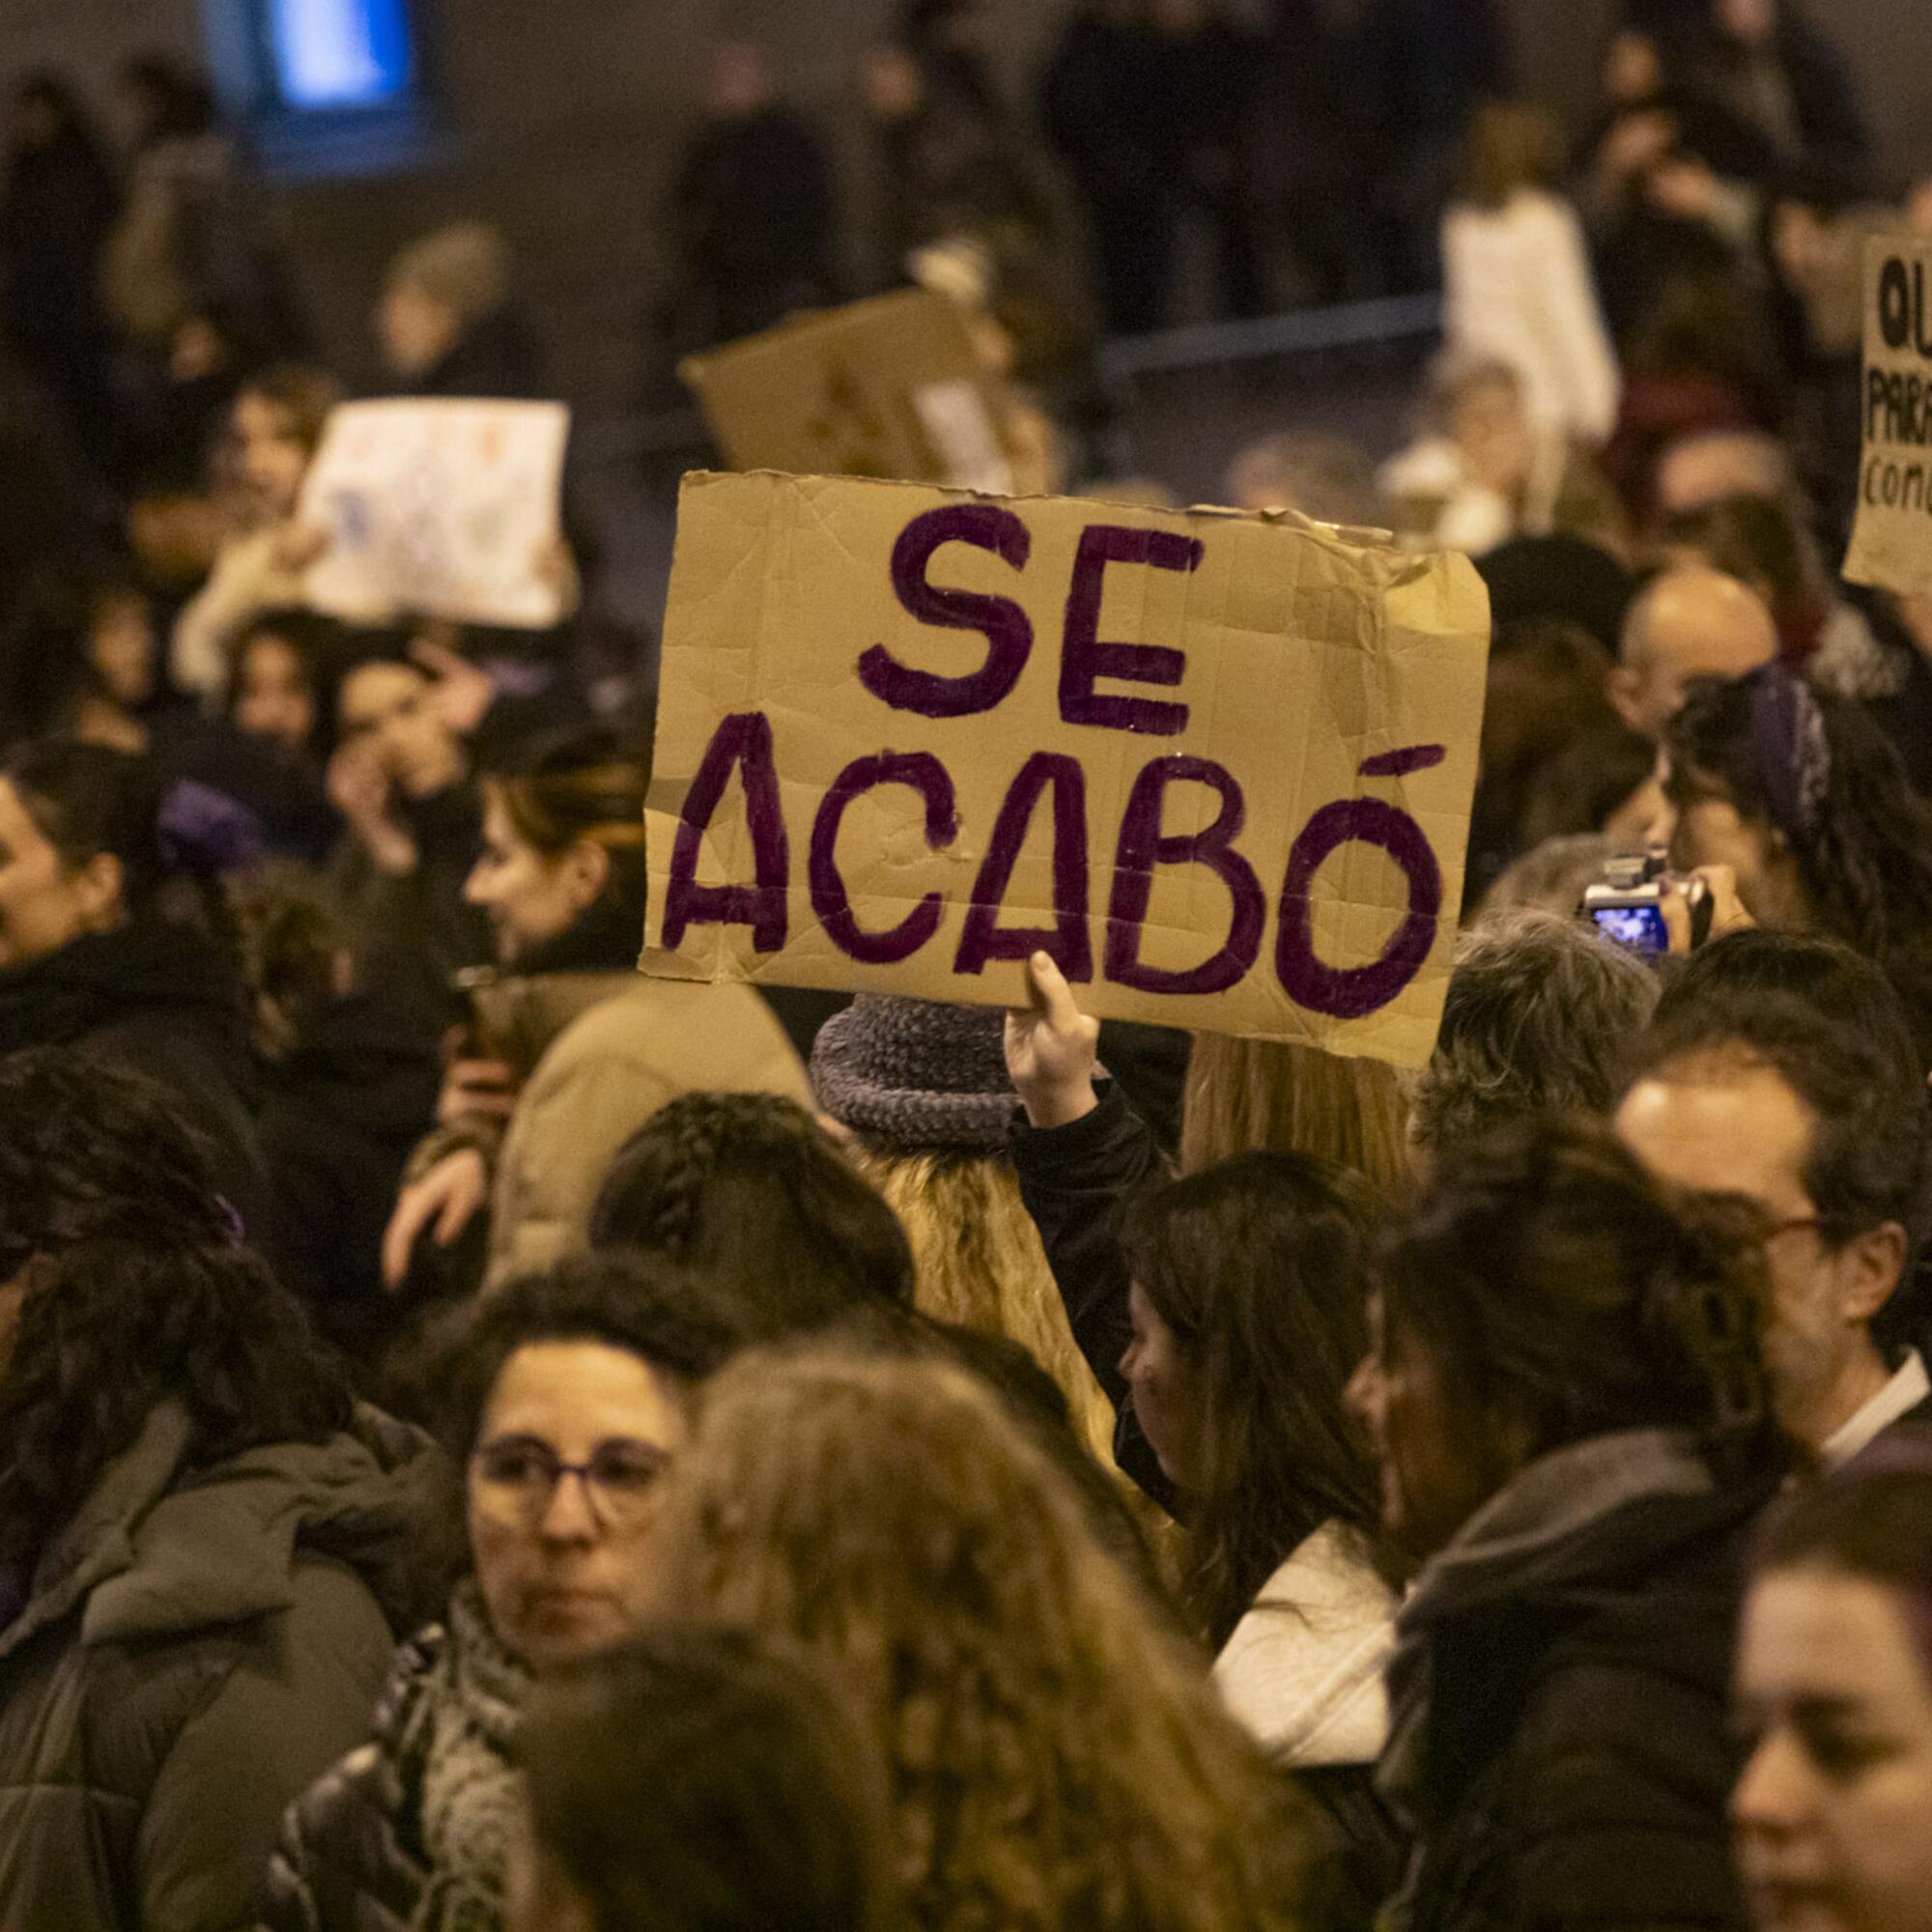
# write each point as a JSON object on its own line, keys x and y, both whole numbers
{"x": 1770, "y": 1797}
{"x": 570, "y": 1517}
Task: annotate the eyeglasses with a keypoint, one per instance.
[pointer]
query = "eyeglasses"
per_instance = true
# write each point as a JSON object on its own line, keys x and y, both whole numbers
{"x": 514, "y": 1480}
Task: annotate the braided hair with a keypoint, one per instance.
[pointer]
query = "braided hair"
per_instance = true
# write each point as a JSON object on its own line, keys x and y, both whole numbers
{"x": 1561, "y": 1293}
{"x": 749, "y": 1189}
{"x": 135, "y": 1290}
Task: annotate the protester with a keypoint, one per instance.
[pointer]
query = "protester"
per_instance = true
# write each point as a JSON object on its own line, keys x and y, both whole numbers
{"x": 92, "y": 961}
{"x": 1099, "y": 94}
{"x": 1835, "y": 1703}
{"x": 1518, "y": 278}
{"x": 1054, "y": 1757}
{"x": 449, "y": 323}
{"x": 729, "y": 1184}
{"x": 1223, "y": 1318}
{"x": 700, "y": 1778}
{"x": 1570, "y": 1409}
{"x": 273, "y": 433}
{"x": 1765, "y": 62}
{"x": 569, "y": 1052}
{"x": 1540, "y": 1021}
{"x": 566, "y": 1398}
{"x": 1490, "y": 472}
{"x": 754, "y": 206}
{"x": 1781, "y": 1071}
{"x": 1689, "y": 623}
{"x": 206, "y": 1551}
{"x": 1799, "y": 795}
{"x": 924, "y": 1091}
{"x": 56, "y": 211}
{"x": 350, "y": 1078}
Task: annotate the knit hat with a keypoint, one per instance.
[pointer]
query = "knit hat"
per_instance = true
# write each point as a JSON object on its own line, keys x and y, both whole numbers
{"x": 916, "y": 1075}
{"x": 465, "y": 267}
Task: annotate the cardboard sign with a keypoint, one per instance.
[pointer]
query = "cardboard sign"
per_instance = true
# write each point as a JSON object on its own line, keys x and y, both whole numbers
{"x": 440, "y": 509}
{"x": 1220, "y": 767}
{"x": 1891, "y": 542}
{"x": 892, "y": 388}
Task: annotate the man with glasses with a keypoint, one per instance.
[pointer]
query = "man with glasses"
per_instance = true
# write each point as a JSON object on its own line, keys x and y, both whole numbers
{"x": 1779, "y": 1071}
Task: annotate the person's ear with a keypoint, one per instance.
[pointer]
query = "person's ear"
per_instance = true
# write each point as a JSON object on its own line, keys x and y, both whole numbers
{"x": 97, "y": 889}
{"x": 587, "y": 871}
{"x": 1872, "y": 1265}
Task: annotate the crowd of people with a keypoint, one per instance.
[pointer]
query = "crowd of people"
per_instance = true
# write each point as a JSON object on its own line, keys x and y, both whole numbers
{"x": 491, "y": 1441}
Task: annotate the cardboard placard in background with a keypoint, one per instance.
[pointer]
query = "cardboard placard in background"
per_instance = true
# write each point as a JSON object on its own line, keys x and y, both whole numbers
{"x": 1220, "y": 766}
{"x": 1891, "y": 542}
{"x": 440, "y": 509}
{"x": 890, "y": 387}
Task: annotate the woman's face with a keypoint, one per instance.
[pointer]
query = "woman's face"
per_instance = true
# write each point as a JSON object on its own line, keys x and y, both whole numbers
{"x": 271, "y": 458}
{"x": 1169, "y": 1401}
{"x": 561, "y": 1557}
{"x": 121, "y": 647}
{"x": 44, "y": 904}
{"x": 1834, "y": 1812}
{"x": 1432, "y": 1480}
{"x": 273, "y": 697}
{"x": 1707, "y": 829}
{"x": 529, "y": 897}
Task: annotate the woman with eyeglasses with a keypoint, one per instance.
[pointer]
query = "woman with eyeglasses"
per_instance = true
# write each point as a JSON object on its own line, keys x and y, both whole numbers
{"x": 567, "y": 1399}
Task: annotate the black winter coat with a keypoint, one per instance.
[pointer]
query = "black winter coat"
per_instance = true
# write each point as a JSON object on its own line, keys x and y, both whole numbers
{"x": 342, "y": 1116}
{"x": 1575, "y": 1759}
{"x": 1075, "y": 1182}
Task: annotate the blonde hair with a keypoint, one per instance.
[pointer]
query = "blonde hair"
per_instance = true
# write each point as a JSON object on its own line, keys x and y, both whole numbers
{"x": 1058, "y": 1757}
{"x": 1249, "y": 1096}
{"x": 977, "y": 1261}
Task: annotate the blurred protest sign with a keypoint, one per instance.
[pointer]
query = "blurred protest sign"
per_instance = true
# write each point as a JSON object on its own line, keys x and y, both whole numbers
{"x": 1220, "y": 767}
{"x": 441, "y": 509}
{"x": 1891, "y": 542}
{"x": 892, "y": 388}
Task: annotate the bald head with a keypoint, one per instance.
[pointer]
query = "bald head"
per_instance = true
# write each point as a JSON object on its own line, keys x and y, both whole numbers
{"x": 1689, "y": 623}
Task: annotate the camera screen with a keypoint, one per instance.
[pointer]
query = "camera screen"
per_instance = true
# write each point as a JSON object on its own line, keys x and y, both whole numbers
{"x": 1639, "y": 929}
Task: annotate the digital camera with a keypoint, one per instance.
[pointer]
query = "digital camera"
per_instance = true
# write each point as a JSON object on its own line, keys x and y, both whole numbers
{"x": 1625, "y": 905}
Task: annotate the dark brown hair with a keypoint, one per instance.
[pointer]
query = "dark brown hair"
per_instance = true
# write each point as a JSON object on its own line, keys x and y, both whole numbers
{"x": 1563, "y": 1297}
{"x": 700, "y": 1778}
{"x": 1261, "y": 1267}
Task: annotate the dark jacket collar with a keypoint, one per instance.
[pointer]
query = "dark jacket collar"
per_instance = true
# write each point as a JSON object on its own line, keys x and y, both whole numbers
{"x": 160, "y": 1548}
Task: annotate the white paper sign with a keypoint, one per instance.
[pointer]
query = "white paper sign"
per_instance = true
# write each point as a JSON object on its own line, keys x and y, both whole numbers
{"x": 440, "y": 509}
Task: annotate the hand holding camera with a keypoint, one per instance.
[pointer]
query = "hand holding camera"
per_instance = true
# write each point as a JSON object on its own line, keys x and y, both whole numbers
{"x": 1643, "y": 906}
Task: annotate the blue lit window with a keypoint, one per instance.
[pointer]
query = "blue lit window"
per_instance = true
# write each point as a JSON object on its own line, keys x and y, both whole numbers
{"x": 331, "y": 55}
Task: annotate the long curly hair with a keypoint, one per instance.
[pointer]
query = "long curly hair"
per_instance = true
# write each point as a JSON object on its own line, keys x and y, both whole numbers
{"x": 978, "y": 1262}
{"x": 1058, "y": 1759}
{"x": 1261, "y": 1267}
{"x": 135, "y": 1290}
{"x": 749, "y": 1190}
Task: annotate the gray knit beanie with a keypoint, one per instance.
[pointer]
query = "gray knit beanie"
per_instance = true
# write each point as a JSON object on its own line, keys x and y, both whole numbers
{"x": 916, "y": 1076}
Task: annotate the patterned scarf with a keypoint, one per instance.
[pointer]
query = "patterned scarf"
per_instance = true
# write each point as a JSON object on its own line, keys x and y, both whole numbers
{"x": 462, "y": 1734}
